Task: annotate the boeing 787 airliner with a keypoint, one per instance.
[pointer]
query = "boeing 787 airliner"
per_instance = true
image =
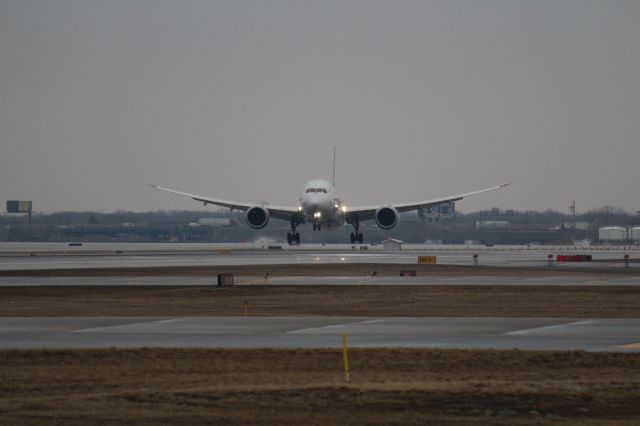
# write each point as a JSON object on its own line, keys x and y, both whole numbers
{"x": 320, "y": 205}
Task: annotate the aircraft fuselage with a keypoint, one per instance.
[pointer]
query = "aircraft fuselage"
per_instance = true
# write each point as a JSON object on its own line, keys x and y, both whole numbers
{"x": 321, "y": 205}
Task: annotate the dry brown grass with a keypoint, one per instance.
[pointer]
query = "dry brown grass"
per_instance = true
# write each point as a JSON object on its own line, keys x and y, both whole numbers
{"x": 365, "y": 300}
{"x": 273, "y": 387}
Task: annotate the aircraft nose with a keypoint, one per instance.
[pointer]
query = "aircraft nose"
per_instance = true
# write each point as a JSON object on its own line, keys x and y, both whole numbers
{"x": 314, "y": 203}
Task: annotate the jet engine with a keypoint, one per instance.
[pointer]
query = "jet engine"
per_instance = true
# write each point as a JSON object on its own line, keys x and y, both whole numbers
{"x": 386, "y": 217}
{"x": 257, "y": 217}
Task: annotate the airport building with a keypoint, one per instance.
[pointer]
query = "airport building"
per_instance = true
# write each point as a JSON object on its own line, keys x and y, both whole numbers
{"x": 613, "y": 234}
{"x": 392, "y": 244}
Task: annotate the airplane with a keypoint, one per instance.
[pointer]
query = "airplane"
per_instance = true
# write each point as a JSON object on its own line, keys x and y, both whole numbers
{"x": 320, "y": 205}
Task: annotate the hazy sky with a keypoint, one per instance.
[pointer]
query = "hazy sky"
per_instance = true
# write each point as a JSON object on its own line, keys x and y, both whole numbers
{"x": 244, "y": 100}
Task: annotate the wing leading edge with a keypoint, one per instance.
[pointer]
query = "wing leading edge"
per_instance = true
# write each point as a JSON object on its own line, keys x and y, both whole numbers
{"x": 278, "y": 212}
{"x": 368, "y": 212}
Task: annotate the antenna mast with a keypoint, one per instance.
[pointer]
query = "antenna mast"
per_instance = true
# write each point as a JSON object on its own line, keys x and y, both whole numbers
{"x": 333, "y": 169}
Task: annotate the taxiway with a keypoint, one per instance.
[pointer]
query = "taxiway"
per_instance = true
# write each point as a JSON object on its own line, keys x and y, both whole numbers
{"x": 597, "y": 334}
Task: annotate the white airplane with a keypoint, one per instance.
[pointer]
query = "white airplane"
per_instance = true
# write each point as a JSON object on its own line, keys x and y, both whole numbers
{"x": 320, "y": 205}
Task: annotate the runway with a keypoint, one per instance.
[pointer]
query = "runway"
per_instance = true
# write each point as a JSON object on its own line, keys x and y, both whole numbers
{"x": 319, "y": 332}
{"x": 593, "y": 334}
{"x": 100, "y": 256}
{"x": 518, "y": 280}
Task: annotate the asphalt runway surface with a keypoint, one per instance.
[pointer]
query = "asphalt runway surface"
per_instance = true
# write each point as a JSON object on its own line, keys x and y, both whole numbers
{"x": 321, "y": 332}
{"x": 78, "y": 259}
{"x": 309, "y": 332}
{"x": 523, "y": 280}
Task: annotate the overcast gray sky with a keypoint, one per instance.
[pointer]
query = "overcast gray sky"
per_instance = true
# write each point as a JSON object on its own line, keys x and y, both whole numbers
{"x": 244, "y": 100}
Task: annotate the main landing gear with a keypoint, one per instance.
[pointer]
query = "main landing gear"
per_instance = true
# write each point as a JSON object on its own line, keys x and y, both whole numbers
{"x": 293, "y": 236}
{"x": 317, "y": 227}
{"x": 357, "y": 236}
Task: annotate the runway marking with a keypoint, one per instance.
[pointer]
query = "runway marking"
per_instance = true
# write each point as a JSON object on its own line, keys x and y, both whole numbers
{"x": 328, "y": 328}
{"x": 593, "y": 282}
{"x": 629, "y": 346}
{"x": 549, "y": 327}
{"x": 100, "y": 329}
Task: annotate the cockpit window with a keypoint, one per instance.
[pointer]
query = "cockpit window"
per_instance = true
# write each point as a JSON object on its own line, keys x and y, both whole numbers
{"x": 316, "y": 190}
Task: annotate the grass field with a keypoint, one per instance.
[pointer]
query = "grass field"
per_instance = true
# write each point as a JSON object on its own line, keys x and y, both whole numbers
{"x": 274, "y": 387}
{"x": 362, "y": 300}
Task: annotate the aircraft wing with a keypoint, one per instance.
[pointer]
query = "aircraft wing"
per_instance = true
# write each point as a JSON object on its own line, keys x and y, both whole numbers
{"x": 368, "y": 212}
{"x": 278, "y": 212}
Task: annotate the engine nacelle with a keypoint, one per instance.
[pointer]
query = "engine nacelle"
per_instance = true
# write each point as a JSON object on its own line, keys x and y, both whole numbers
{"x": 257, "y": 217}
{"x": 386, "y": 217}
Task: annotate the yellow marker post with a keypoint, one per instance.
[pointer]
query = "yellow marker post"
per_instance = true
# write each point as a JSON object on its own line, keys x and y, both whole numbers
{"x": 345, "y": 357}
{"x": 246, "y": 309}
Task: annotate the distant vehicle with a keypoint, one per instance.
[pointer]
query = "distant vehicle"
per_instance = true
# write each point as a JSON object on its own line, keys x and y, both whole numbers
{"x": 320, "y": 205}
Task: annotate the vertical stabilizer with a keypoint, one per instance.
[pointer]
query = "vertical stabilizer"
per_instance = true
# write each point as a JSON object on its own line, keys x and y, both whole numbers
{"x": 333, "y": 169}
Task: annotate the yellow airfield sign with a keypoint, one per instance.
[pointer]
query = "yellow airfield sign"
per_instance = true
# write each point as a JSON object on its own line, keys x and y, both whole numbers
{"x": 428, "y": 260}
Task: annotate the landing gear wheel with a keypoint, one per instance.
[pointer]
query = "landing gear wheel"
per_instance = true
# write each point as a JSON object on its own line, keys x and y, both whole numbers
{"x": 314, "y": 226}
{"x": 355, "y": 236}
{"x": 293, "y": 236}
{"x": 318, "y": 226}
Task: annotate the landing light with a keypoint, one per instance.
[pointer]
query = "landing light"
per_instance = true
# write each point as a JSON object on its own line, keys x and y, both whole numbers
{"x": 344, "y": 209}
{"x": 299, "y": 209}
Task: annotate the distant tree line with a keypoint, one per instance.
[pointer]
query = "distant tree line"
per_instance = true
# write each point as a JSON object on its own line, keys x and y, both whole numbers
{"x": 602, "y": 216}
